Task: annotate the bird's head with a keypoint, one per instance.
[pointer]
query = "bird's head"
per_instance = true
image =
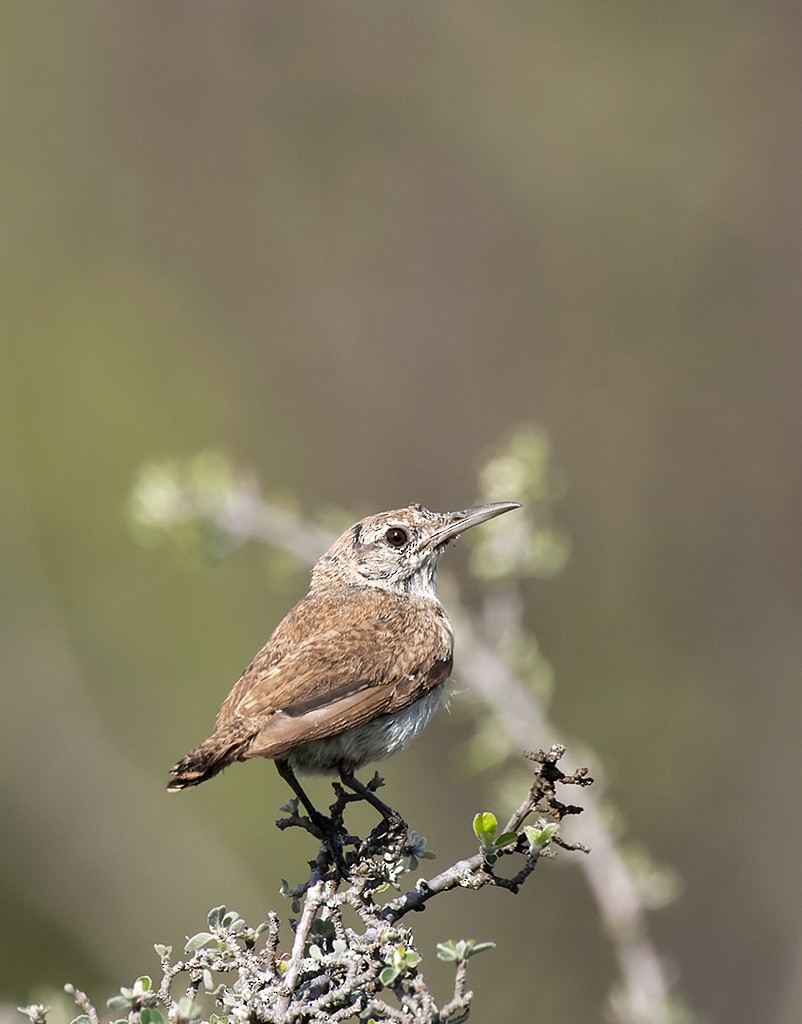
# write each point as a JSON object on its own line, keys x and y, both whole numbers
{"x": 398, "y": 550}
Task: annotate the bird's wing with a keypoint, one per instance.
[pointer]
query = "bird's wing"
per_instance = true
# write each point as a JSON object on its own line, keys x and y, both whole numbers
{"x": 328, "y": 679}
{"x": 284, "y": 730}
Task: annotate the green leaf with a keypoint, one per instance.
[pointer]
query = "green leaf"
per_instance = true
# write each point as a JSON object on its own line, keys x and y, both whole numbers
{"x": 485, "y": 826}
{"x": 445, "y": 951}
{"x": 150, "y": 1016}
{"x": 506, "y": 837}
{"x": 118, "y": 1003}
{"x": 215, "y": 917}
{"x": 80, "y": 1019}
{"x": 187, "y": 1010}
{"x": 388, "y": 975}
{"x": 411, "y": 959}
{"x": 462, "y": 949}
{"x": 539, "y": 838}
{"x": 162, "y": 951}
{"x": 478, "y": 947}
{"x": 197, "y": 941}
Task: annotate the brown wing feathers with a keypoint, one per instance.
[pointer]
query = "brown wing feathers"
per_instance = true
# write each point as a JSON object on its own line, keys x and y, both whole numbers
{"x": 312, "y": 680}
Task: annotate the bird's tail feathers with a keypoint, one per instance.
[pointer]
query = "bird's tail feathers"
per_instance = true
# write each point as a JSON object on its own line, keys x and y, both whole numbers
{"x": 205, "y": 761}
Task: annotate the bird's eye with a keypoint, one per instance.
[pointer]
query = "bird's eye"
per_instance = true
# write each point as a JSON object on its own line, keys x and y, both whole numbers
{"x": 396, "y": 537}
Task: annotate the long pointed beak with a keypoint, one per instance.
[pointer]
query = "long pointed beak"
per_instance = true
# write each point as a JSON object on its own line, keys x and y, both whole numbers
{"x": 457, "y": 522}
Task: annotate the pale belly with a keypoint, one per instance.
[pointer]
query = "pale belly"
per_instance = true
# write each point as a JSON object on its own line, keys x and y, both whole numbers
{"x": 369, "y": 742}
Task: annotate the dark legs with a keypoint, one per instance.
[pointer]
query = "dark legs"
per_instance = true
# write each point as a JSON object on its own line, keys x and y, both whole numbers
{"x": 331, "y": 830}
{"x": 327, "y": 830}
{"x": 363, "y": 791}
{"x": 285, "y": 771}
{"x": 348, "y": 778}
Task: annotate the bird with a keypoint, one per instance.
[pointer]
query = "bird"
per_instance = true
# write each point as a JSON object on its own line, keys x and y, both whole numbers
{"x": 356, "y": 670}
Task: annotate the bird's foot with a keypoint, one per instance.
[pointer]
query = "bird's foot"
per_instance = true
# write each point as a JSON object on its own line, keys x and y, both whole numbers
{"x": 389, "y": 834}
{"x": 368, "y": 793}
{"x": 329, "y": 832}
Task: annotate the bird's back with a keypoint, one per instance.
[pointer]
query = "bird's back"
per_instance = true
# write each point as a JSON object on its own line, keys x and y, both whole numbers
{"x": 341, "y": 658}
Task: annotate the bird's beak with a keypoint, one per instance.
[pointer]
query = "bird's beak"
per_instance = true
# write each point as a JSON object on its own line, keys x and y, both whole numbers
{"x": 457, "y": 522}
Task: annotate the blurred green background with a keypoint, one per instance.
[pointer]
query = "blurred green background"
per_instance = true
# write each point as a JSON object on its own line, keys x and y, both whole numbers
{"x": 353, "y": 245}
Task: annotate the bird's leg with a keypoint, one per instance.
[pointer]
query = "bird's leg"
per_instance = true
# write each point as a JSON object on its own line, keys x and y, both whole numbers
{"x": 285, "y": 771}
{"x": 391, "y": 832}
{"x": 326, "y": 828}
{"x": 353, "y": 783}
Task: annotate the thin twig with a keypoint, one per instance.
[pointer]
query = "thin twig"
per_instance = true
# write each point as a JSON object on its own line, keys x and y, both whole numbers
{"x": 83, "y": 1002}
{"x": 461, "y": 999}
{"x": 314, "y": 898}
{"x": 470, "y": 873}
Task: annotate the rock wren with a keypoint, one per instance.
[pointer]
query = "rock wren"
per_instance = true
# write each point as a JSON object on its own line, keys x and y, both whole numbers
{"x": 358, "y": 667}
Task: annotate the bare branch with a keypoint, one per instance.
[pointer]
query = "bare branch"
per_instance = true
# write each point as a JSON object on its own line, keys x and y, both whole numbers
{"x": 83, "y": 1002}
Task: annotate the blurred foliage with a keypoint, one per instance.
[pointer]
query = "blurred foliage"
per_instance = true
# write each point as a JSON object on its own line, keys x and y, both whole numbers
{"x": 532, "y": 544}
{"x": 182, "y": 505}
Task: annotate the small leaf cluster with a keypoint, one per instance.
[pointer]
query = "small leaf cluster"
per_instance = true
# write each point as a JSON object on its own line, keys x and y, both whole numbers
{"x": 394, "y": 864}
{"x": 140, "y": 998}
{"x": 485, "y": 827}
{"x": 541, "y": 834}
{"x": 400, "y": 960}
{"x": 415, "y": 851}
{"x": 224, "y": 925}
{"x": 459, "y": 950}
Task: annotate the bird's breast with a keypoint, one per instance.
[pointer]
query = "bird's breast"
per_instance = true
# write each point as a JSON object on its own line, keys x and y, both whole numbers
{"x": 371, "y": 741}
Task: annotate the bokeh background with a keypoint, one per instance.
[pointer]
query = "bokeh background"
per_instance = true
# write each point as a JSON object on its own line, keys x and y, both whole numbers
{"x": 353, "y": 245}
